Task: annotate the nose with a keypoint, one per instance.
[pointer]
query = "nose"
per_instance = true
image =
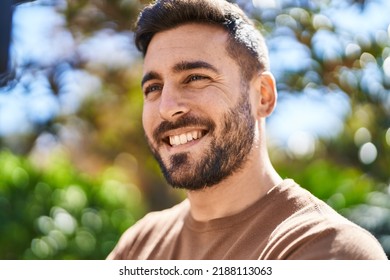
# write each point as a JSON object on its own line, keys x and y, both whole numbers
{"x": 172, "y": 104}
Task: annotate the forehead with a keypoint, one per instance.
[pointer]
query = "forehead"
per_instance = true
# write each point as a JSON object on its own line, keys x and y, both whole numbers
{"x": 192, "y": 41}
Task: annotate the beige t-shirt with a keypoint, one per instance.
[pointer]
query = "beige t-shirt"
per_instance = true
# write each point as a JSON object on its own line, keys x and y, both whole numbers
{"x": 287, "y": 223}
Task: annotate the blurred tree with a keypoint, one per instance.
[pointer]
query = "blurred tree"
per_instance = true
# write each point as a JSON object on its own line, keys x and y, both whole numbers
{"x": 350, "y": 171}
{"x": 54, "y": 212}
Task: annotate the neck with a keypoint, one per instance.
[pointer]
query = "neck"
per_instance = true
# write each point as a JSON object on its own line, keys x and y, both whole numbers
{"x": 238, "y": 191}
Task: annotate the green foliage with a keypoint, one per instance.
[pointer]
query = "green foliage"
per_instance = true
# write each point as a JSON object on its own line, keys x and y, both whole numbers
{"x": 58, "y": 213}
{"x": 339, "y": 186}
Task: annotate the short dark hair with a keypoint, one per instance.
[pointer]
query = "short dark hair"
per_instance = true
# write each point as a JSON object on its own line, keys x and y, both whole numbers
{"x": 245, "y": 44}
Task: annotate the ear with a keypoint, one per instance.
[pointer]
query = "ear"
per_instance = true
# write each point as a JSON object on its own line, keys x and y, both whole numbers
{"x": 266, "y": 88}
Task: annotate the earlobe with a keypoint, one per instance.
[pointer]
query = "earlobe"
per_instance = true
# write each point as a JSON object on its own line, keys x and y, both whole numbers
{"x": 268, "y": 94}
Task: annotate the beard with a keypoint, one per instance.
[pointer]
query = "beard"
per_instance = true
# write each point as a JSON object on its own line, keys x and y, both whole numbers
{"x": 225, "y": 155}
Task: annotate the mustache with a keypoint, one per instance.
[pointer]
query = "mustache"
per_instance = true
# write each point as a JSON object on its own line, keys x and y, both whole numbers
{"x": 184, "y": 121}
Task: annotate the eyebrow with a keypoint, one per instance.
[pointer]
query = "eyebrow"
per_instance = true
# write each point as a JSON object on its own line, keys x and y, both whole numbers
{"x": 190, "y": 65}
{"x": 181, "y": 67}
{"x": 150, "y": 76}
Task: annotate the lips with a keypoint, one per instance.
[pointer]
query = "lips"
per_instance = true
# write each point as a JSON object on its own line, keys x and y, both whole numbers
{"x": 186, "y": 129}
{"x": 184, "y": 138}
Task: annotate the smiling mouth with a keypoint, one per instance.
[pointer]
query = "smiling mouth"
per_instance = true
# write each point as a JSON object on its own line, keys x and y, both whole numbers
{"x": 184, "y": 138}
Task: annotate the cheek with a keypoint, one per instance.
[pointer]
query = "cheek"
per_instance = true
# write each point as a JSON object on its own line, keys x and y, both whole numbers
{"x": 147, "y": 121}
{"x": 254, "y": 101}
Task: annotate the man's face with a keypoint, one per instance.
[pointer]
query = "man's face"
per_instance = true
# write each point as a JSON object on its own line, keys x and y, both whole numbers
{"x": 197, "y": 112}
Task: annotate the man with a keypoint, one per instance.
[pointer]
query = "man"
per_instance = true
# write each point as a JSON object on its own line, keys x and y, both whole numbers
{"x": 207, "y": 91}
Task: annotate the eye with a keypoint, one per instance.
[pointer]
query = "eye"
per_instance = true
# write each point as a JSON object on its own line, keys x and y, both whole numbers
{"x": 152, "y": 88}
{"x": 195, "y": 77}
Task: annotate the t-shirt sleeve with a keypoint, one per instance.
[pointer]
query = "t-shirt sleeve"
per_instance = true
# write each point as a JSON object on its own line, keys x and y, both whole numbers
{"x": 344, "y": 242}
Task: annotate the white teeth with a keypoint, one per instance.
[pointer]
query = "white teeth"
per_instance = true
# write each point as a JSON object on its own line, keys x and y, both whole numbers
{"x": 184, "y": 138}
{"x": 177, "y": 139}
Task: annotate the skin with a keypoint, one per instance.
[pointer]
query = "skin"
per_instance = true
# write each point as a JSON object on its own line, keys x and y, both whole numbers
{"x": 207, "y": 89}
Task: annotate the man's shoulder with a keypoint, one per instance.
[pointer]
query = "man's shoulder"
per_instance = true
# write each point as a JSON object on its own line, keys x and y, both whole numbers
{"x": 337, "y": 239}
{"x": 311, "y": 229}
{"x": 153, "y": 227}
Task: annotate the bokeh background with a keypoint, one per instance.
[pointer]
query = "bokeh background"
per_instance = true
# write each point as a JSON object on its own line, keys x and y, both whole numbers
{"x": 75, "y": 170}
